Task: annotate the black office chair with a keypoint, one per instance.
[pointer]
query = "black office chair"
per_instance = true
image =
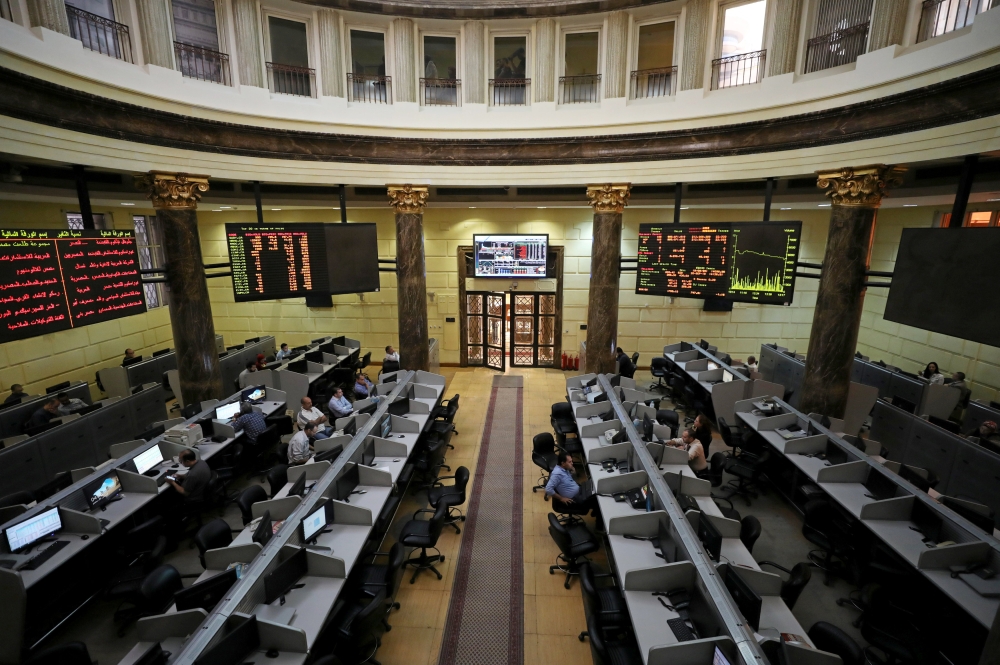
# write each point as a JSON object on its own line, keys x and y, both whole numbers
{"x": 748, "y": 470}
{"x": 73, "y": 653}
{"x": 247, "y": 498}
{"x": 142, "y": 550}
{"x": 452, "y": 496}
{"x": 731, "y": 435}
{"x": 358, "y": 629}
{"x": 658, "y": 368}
{"x": 604, "y": 602}
{"x": 364, "y": 362}
{"x": 575, "y": 542}
{"x": 798, "y": 578}
{"x": 212, "y": 536}
{"x": 892, "y": 629}
{"x": 563, "y": 424}
{"x": 370, "y": 578}
{"x": 428, "y": 459}
{"x": 17, "y": 499}
{"x": 389, "y": 366}
{"x": 444, "y": 420}
{"x": 829, "y": 638}
{"x": 569, "y": 513}
{"x": 823, "y": 527}
{"x": 749, "y": 531}
{"x": 543, "y": 454}
{"x": 670, "y": 418}
{"x": 154, "y": 595}
{"x": 630, "y": 374}
{"x": 277, "y": 477}
{"x": 424, "y": 534}
{"x": 191, "y": 410}
{"x": 608, "y": 652}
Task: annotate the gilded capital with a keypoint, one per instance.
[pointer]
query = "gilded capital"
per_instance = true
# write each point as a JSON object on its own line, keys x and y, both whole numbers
{"x": 609, "y": 197}
{"x": 172, "y": 191}
{"x": 408, "y": 198}
{"x": 862, "y": 186}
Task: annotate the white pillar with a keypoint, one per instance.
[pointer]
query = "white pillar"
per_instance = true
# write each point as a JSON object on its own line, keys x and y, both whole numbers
{"x": 246, "y": 25}
{"x": 785, "y": 44}
{"x": 331, "y": 67}
{"x": 888, "y": 22}
{"x": 49, "y": 14}
{"x": 474, "y": 62}
{"x": 616, "y": 56}
{"x": 544, "y": 81}
{"x": 696, "y": 24}
{"x": 404, "y": 81}
{"x": 155, "y": 29}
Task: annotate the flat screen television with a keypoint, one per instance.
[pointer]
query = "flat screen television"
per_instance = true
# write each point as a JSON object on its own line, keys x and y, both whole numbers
{"x": 511, "y": 255}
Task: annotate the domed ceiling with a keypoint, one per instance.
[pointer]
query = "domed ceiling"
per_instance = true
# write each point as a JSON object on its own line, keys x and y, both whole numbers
{"x": 481, "y": 9}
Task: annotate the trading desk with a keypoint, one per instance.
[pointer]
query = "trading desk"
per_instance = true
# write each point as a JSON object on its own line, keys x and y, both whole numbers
{"x": 720, "y": 383}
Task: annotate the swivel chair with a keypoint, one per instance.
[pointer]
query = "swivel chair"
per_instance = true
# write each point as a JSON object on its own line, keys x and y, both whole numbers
{"x": 277, "y": 477}
{"x": 449, "y": 495}
{"x": 16, "y": 499}
{"x": 389, "y": 366}
{"x": 357, "y": 629}
{"x": 370, "y": 578}
{"x": 606, "y": 602}
{"x": 153, "y": 596}
{"x": 543, "y": 454}
{"x": 669, "y": 418}
{"x": 212, "y": 536}
{"x": 610, "y": 652}
{"x": 798, "y": 578}
{"x": 749, "y": 531}
{"x": 748, "y": 469}
{"x": 892, "y": 629}
{"x": 575, "y": 542}
{"x": 247, "y": 498}
{"x": 658, "y": 368}
{"x": 831, "y": 639}
{"x": 424, "y": 534}
{"x": 823, "y": 528}
{"x": 563, "y": 424}
{"x": 72, "y": 653}
{"x": 569, "y": 513}
{"x": 444, "y": 421}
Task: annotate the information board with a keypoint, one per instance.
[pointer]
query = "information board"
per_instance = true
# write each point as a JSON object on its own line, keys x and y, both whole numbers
{"x": 510, "y": 255}
{"x": 272, "y": 261}
{"x": 58, "y": 279}
{"x": 740, "y": 261}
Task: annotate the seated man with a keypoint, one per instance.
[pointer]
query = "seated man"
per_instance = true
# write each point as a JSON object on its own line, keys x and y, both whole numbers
{"x": 68, "y": 405}
{"x": 300, "y": 447}
{"x": 625, "y": 366}
{"x": 362, "y": 386}
{"x": 391, "y": 354}
{"x": 42, "y": 416}
{"x": 250, "y": 422}
{"x": 310, "y": 415}
{"x": 695, "y": 451}
{"x": 562, "y": 486}
{"x": 245, "y": 378}
{"x": 16, "y": 393}
{"x": 129, "y": 354}
{"x": 752, "y": 363}
{"x": 339, "y": 405}
{"x": 283, "y": 353}
{"x": 194, "y": 485}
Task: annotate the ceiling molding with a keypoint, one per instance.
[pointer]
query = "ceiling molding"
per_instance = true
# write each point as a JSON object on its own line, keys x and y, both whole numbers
{"x": 482, "y": 9}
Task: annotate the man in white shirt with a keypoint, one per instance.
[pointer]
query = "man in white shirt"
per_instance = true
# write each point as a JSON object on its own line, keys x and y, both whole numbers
{"x": 245, "y": 378}
{"x": 391, "y": 354}
{"x": 68, "y": 405}
{"x": 283, "y": 353}
{"x": 339, "y": 405}
{"x": 310, "y": 415}
{"x": 695, "y": 451}
{"x": 299, "y": 446}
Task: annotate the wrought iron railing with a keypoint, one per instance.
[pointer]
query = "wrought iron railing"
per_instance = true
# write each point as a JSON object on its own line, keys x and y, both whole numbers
{"x": 658, "y": 82}
{"x": 291, "y": 80}
{"x": 580, "y": 89}
{"x": 100, "y": 34}
{"x": 441, "y": 92}
{"x": 939, "y": 17}
{"x": 510, "y": 92}
{"x": 734, "y": 70}
{"x": 840, "y": 47}
{"x": 202, "y": 63}
{"x": 369, "y": 89}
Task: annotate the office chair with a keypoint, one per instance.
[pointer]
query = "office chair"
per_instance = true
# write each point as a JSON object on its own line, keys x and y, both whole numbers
{"x": 891, "y": 628}
{"x": 357, "y": 629}
{"x": 429, "y": 459}
{"x": 605, "y": 603}
{"x": 389, "y": 366}
{"x": 452, "y": 496}
{"x": 142, "y": 550}
{"x": 370, "y": 578}
{"x": 424, "y": 534}
{"x": 610, "y": 652}
{"x": 154, "y": 595}
{"x": 822, "y": 527}
{"x": 17, "y": 499}
{"x": 569, "y": 513}
{"x": 444, "y": 420}
{"x": 669, "y": 418}
{"x": 247, "y": 498}
{"x": 798, "y": 578}
{"x": 732, "y": 436}
{"x": 543, "y": 454}
{"x": 72, "y": 653}
{"x": 563, "y": 424}
{"x": 575, "y": 542}
{"x": 441, "y": 409}
{"x": 631, "y": 372}
{"x": 658, "y": 368}
{"x": 677, "y": 394}
{"x": 277, "y": 477}
{"x": 212, "y": 536}
{"x": 748, "y": 469}
{"x": 749, "y": 531}
{"x": 831, "y": 639}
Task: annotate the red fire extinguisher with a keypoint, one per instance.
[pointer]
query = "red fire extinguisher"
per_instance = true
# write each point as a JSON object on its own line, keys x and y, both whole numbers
{"x": 564, "y": 360}
{"x": 576, "y": 363}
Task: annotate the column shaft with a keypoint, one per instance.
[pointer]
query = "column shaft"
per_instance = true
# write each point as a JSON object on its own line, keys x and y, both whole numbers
{"x": 696, "y": 22}
{"x": 785, "y": 43}
{"x": 608, "y": 202}
{"x": 411, "y": 280}
{"x": 544, "y": 81}
{"x": 246, "y": 25}
{"x": 616, "y": 56}
{"x": 155, "y": 28}
{"x": 50, "y": 14}
{"x": 331, "y": 68}
{"x": 856, "y": 194}
{"x": 404, "y": 80}
{"x": 474, "y": 62}
{"x": 888, "y": 23}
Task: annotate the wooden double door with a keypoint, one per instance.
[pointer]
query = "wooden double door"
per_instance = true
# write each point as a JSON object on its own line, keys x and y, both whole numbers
{"x": 511, "y": 327}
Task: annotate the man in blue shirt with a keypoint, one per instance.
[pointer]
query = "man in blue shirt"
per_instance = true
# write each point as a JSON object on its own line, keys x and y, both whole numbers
{"x": 283, "y": 353}
{"x": 251, "y": 422}
{"x": 562, "y": 486}
{"x": 339, "y": 405}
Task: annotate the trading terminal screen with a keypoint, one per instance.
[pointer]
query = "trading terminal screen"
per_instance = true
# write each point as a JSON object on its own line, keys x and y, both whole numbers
{"x": 58, "y": 279}
{"x": 739, "y": 261}
{"x": 511, "y": 255}
{"x": 272, "y": 261}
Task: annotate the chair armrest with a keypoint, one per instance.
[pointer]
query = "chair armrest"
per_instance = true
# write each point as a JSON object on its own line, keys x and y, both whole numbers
{"x": 774, "y": 565}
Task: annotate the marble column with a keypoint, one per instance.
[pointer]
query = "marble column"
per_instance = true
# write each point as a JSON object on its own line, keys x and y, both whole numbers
{"x": 616, "y": 56}
{"x": 474, "y": 62}
{"x": 856, "y": 194}
{"x": 404, "y": 79}
{"x": 785, "y": 42}
{"x": 544, "y": 81}
{"x": 697, "y": 19}
{"x": 154, "y": 28}
{"x": 249, "y": 59}
{"x": 50, "y": 14}
{"x": 608, "y": 202}
{"x": 888, "y": 23}
{"x": 411, "y": 275}
{"x": 331, "y": 68}
{"x": 175, "y": 198}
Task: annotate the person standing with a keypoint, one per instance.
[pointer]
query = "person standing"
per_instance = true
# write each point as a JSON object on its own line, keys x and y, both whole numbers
{"x": 932, "y": 373}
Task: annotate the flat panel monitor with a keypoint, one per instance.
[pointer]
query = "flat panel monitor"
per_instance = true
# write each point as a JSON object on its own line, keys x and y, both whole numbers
{"x": 369, "y": 408}
{"x": 272, "y": 261}
{"x": 298, "y": 488}
{"x": 943, "y": 423}
{"x": 914, "y": 478}
{"x": 399, "y": 407}
{"x": 265, "y": 529}
{"x": 234, "y": 648}
{"x": 346, "y": 483}
{"x": 161, "y": 352}
{"x": 280, "y": 580}
{"x": 719, "y": 658}
{"x": 352, "y": 258}
{"x": 148, "y": 459}
{"x": 647, "y": 428}
{"x": 32, "y": 530}
{"x": 385, "y": 426}
{"x": 368, "y": 454}
{"x": 710, "y": 537}
{"x": 131, "y": 361}
{"x": 904, "y": 404}
{"x": 227, "y": 411}
{"x": 56, "y": 388}
{"x": 351, "y": 428}
{"x": 667, "y": 548}
{"x": 330, "y": 455}
{"x": 704, "y": 345}
{"x": 298, "y": 366}
{"x": 983, "y": 520}
{"x": 511, "y": 255}
{"x": 880, "y": 486}
{"x": 254, "y": 395}
{"x": 315, "y": 357}
{"x": 207, "y": 593}
{"x": 747, "y": 600}
{"x": 100, "y": 492}
{"x": 620, "y": 437}
{"x": 314, "y": 523}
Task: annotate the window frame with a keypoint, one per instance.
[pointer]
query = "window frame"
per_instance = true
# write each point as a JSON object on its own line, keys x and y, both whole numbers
{"x": 579, "y": 30}
{"x": 157, "y": 258}
{"x": 386, "y": 42}
{"x": 720, "y": 27}
{"x": 529, "y": 55}
{"x": 634, "y": 54}
{"x": 266, "y": 13}
{"x": 457, "y": 36}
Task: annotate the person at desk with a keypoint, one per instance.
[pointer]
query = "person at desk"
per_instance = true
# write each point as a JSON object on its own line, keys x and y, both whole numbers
{"x": 391, "y": 354}
{"x": 251, "y": 422}
{"x": 932, "y": 373}
{"x": 310, "y": 415}
{"x": 194, "y": 485}
{"x": 702, "y": 431}
{"x": 250, "y": 369}
{"x": 752, "y": 363}
{"x": 16, "y": 393}
{"x": 260, "y": 362}
{"x": 283, "y": 353}
{"x": 625, "y": 366}
{"x": 987, "y": 431}
{"x": 44, "y": 414}
{"x": 362, "y": 386}
{"x": 562, "y": 485}
{"x": 339, "y": 405}
{"x": 300, "y": 445}
{"x": 68, "y": 405}
{"x": 129, "y": 354}
{"x": 695, "y": 451}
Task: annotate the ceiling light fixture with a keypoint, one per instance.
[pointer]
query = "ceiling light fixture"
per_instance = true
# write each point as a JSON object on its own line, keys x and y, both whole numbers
{"x": 909, "y": 205}
{"x": 275, "y": 209}
{"x": 127, "y": 204}
{"x": 472, "y": 207}
{"x": 785, "y": 208}
{"x": 542, "y": 207}
{"x": 824, "y": 205}
{"x": 225, "y": 207}
{"x": 684, "y": 207}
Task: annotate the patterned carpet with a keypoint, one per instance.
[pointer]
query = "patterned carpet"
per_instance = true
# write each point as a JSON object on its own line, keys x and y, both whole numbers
{"x": 486, "y": 616}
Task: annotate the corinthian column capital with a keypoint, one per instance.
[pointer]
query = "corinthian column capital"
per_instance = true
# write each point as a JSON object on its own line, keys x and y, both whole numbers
{"x": 609, "y": 197}
{"x": 861, "y": 186}
{"x": 173, "y": 191}
{"x": 408, "y": 198}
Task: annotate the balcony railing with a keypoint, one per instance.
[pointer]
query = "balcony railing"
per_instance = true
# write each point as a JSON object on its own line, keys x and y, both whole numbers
{"x": 510, "y": 92}
{"x": 841, "y": 47}
{"x": 939, "y": 17}
{"x": 100, "y": 34}
{"x": 202, "y": 63}
{"x": 441, "y": 92}
{"x": 734, "y": 70}
{"x": 580, "y": 89}
{"x": 659, "y": 82}
{"x": 369, "y": 89}
{"x": 291, "y": 80}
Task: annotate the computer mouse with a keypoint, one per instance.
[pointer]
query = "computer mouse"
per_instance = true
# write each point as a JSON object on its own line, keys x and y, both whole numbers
{"x": 84, "y": 537}
{"x": 272, "y": 653}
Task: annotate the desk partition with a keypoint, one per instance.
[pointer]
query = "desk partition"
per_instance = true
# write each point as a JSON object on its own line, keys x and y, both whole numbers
{"x": 12, "y": 418}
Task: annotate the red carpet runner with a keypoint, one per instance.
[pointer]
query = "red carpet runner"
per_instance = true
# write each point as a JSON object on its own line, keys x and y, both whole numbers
{"x": 486, "y": 616}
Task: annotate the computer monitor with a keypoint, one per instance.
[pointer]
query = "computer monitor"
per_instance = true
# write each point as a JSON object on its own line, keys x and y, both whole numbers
{"x": 709, "y": 537}
{"x": 914, "y": 478}
{"x": 620, "y": 437}
{"x": 880, "y": 486}
{"x": 90, "y": 408}
{"x": 161, "y": 352}
{"x": 368, "y": 454}
{"x": 346, "y": 483}
{"x": 667, "y": 547}
{"x": 101, "y": 492}
{"x": 329, "y": 455}
{"x": 298, "y": 487}
{"x": 207, "y": 426}
{"x": 647, "y": 428}
{"x": 319, "y": 341}
{"x": 954, "y": 428}
{"x": 56, "y": 388}
{"x": 686, "y": 346}
{"x": 314, "y": 523}
{"x": 227, "y": 411}
{"x": 298, "y": 366}
{"x": 315, "y": 357}
{"x": 399, "y": 407}
{"x": 719, "y": 658}
{"x": 33, "y": 529}
{"x": 265, "y": 529}
{"x": 608, "y": 415}
{"x": 369, "y": 409}
{"x": 983, "y": 521}
{"x": 154, "y": 655}
{"x": 630, "y": 459}
{"x": 592, "y": 382}
{"x": 704, "y": 345}
{"x": 351, "y": 428}
{"x": 252, "y": 340}
{"x": 284, "y": 576}
{"x": 600, "y": 397}
{"x": 385, "y": 426}
{"x": 57, "y": 484}
{"x": 205, "y": 594}
{"x": 234, "y": 648}
{"x": 904, "y": 404}
{"x": 615, "y": 380}
{"x": 254, "y": 395}
{"x": 146, "y": 460}
{"x": 131, "y": 361}
{"x": 747, "y": 600}
{"x": 927, "y": 521}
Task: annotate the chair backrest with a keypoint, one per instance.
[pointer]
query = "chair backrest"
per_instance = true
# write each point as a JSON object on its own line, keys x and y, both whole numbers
{"x": 268, "y": 437}
{"x": 17, "y": 498}
{"x": 668, "y": 417}
{"x": 588, "y": 587}
{"x": 716, "y": 466}
{"x": 749, "y": 531}
{"x": 437, "y": 521}
{"x": 142, "y": 537}
{"x": 367, "y": 358}
{"x": 726, "y": 431}
{"x": 13, "y": 611}
{"x": 543, "y": 444}
{"x": 461, "y": 481}
{"x": 452, "y": 409}
{"x": 390, "y": 366}
{"x": 397, "y": 557}
{"x": 635, "y": 358}
{"x": 277, "y": 477}
{"x": 212, "y": 536}
{"x": 599, "y": 652}
{"x": 247, "y": 498}
{"x": 797, "y": 580}
{"x": 158, "y": 587}
{"x": 562, "y": 411}
{"x": 560, "y": 535}
{"x": 831, "y": 639}
{"x": 368, "y": 619}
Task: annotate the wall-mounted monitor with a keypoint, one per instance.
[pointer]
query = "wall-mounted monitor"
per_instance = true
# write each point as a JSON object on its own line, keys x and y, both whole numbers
{"x": 511, "y": 255}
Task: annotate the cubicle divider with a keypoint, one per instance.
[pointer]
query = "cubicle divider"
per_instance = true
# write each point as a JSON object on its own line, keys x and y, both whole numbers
{"x": 12, "y": 418}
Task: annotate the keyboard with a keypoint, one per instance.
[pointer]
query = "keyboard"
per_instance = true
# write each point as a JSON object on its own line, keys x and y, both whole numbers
{"x": 681, "y": 630}
{"x": 36, "y": 561}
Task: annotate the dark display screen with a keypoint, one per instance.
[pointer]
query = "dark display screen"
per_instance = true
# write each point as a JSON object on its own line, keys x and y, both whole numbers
{"x": 54, "y": 280}
{"x": 271, "y": 261}
{"x": 740, "y": 261}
